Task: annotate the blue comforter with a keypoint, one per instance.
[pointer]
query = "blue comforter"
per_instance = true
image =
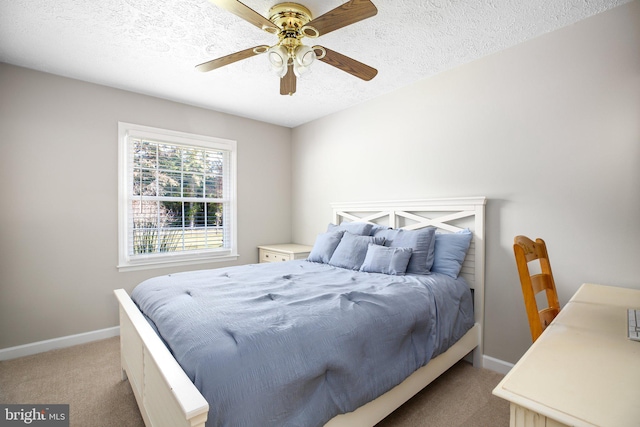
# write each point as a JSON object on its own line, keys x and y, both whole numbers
{"x": 296, "y": 343}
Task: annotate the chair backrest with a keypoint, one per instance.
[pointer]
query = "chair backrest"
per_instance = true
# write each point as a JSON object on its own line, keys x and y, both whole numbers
{"x": 526, "y": 250}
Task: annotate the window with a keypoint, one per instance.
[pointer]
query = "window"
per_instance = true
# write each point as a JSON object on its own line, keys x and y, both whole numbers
{"x": 177, "y": 198}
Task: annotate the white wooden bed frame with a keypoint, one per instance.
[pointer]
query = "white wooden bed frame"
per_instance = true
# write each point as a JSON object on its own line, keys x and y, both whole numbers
{"x": 167, "y": 398}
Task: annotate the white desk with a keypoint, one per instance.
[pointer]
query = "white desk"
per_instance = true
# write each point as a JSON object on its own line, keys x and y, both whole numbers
{"x": 583, "y": 370}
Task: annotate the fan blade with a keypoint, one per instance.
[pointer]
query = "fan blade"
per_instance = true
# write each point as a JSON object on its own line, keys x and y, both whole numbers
{"x": 347, "y": 14}
{"x": 288, "y": 82}
{"x": 248, "y": 14}
{"x": 347, "y": 64}
{"x": 229, "y": 59}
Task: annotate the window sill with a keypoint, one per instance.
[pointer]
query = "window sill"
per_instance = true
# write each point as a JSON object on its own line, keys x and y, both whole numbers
{"x": 151, "y": 264}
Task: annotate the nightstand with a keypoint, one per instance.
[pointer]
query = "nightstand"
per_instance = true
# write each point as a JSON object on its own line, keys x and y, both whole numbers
{"x": 283, "y": 252}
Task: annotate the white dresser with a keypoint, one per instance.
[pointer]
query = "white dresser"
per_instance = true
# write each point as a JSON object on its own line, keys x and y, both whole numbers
{"x": 283, "y": 252}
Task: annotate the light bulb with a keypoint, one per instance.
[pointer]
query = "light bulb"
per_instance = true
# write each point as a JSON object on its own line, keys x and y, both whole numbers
{"x": 278, "y": 58}
{"x": 305, "y": 56}
{"x": 300, "y": 70}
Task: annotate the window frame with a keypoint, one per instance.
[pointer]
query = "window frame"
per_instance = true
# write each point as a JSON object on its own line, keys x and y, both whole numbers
{"x": 127, "y": 262}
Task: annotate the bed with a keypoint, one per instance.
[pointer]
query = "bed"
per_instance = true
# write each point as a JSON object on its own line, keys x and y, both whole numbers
{"x": 166, "y": 393}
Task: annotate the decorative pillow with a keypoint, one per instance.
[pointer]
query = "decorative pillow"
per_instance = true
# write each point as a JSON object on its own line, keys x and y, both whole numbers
{"x": 324, "y": 246}
{"x": 377, "y": 227}
{"x": 450, "y": 251}
{"x": 386, "y": 260}
{"x": 352, "y": 250}
{"x": 354, "y": 227}
{"x": 421, "y": 242}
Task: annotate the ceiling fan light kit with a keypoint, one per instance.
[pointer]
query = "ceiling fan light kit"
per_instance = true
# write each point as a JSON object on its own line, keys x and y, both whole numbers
{"x": 291, "y": 22}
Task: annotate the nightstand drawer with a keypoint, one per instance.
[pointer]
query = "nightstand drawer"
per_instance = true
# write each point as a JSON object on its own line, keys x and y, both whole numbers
{"x": 271, "y": 256}
{"x": 283, "y": 252}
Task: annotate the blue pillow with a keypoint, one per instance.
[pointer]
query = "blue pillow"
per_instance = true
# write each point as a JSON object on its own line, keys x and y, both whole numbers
{"x": 450, "y": 251}
{"x": 324, "y": 246}
{"x": 377, "y": 227}
{"x": 422, "y": 244}
{"x": 352, "y": 250}
{"x": 385, "y": 260}
{"x": 354, "y": 227}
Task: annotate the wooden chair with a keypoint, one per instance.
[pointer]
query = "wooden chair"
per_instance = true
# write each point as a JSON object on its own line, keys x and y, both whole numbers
{"x": 527, "y": 250}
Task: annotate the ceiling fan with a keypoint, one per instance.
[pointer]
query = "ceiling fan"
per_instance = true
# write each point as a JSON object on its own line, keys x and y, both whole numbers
{"x": 291, "y": 22}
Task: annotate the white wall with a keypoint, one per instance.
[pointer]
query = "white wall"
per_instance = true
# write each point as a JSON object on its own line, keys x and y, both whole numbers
{"x": 548, "y": 130}
{"x": 58, "y": 220}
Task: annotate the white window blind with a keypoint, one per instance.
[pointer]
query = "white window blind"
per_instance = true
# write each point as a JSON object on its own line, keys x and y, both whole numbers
{"x": 177, "y": 197}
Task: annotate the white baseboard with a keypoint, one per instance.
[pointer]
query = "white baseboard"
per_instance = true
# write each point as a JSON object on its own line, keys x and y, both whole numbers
{"x": 496, "y": 365}
{"x": 52, "y": 344}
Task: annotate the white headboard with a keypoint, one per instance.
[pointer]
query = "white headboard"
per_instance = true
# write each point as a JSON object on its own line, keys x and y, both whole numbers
{"x": 447, "y": 215}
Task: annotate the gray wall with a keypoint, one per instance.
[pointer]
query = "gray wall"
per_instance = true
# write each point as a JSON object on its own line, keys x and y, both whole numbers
{"x": 58, "y": 168}
{"x": 548, "y": 130}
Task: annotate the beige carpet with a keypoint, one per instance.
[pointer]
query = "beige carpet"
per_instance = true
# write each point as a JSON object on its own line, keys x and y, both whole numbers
{"x": 87, "y": 377}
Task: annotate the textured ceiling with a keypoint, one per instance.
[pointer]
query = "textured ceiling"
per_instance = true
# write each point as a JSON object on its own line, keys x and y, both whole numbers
{"x": 152, "y": 47}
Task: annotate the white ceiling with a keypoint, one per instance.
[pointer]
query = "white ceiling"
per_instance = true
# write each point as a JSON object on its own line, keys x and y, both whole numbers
{"x": 152, "y": 47}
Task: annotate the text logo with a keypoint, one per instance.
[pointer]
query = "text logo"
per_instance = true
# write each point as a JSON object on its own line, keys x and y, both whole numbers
{"x": 34, "y": 415}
